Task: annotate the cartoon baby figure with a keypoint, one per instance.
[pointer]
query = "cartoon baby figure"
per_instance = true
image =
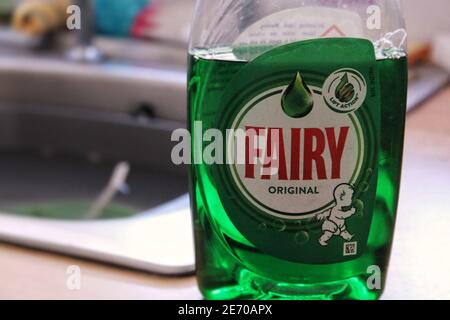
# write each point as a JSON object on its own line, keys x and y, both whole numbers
{"x": 334, "y": 218}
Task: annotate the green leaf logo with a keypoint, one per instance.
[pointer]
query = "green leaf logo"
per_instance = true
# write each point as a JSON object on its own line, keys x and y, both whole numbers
{"x": 345, "y": 91}
{"x": 297, "y": 100}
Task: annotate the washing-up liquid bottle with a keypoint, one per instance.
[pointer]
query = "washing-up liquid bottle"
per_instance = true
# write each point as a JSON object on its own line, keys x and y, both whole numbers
{"x": 308, "y": 98}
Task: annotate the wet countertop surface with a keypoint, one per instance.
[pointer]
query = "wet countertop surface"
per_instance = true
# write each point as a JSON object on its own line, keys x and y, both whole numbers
{"x": 420, "y": 259}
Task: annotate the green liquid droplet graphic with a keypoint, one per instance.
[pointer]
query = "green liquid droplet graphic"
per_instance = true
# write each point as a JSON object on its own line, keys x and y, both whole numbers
{"x": 297, "y": 100}
{"x": 345, "y": 91}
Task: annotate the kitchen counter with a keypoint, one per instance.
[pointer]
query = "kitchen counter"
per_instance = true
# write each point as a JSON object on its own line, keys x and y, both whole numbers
{"x": 419, "y": 264}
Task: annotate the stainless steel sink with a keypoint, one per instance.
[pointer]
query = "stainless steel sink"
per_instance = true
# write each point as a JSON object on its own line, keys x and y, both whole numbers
{"x": 63, "y": 128}
{"x": 115, "y": 85}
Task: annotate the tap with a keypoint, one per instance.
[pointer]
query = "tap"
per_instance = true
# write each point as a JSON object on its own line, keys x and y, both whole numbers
{"x": 85, "y": 50}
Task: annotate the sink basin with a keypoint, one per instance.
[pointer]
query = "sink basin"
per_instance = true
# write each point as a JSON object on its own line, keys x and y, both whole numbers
{"x": 64, "y": 128}
{"x": 54, "y": 161}
{"x": 66, "y": 188}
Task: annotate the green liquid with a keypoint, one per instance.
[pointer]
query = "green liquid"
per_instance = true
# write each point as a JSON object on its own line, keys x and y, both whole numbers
{"x": 71, "y": 210}
{"x": 230, "y": 267}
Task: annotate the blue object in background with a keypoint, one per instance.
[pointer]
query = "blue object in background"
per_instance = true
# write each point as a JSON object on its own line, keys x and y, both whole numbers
{"x": 116, "y": 17}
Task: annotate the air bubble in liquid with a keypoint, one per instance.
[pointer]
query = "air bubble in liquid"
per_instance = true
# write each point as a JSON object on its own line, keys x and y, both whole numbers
{"x": 364, "y": 187}
{"x": 279, "y": 225}
{"x": 262, "y": 226}
{"x": 359, "y": 206}
{"x": 301, "y": 238}
{"x": 391, "y": 46}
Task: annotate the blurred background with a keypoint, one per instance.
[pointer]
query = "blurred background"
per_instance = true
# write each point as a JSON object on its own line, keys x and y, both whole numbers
{"x": 77, "y": 104}
{"x": 87, "y": 109}
{"x": 86, "y": 118}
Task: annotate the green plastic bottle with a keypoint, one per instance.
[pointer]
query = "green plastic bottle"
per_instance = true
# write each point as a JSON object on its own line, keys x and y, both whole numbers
{"x": 319, "y": 89}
